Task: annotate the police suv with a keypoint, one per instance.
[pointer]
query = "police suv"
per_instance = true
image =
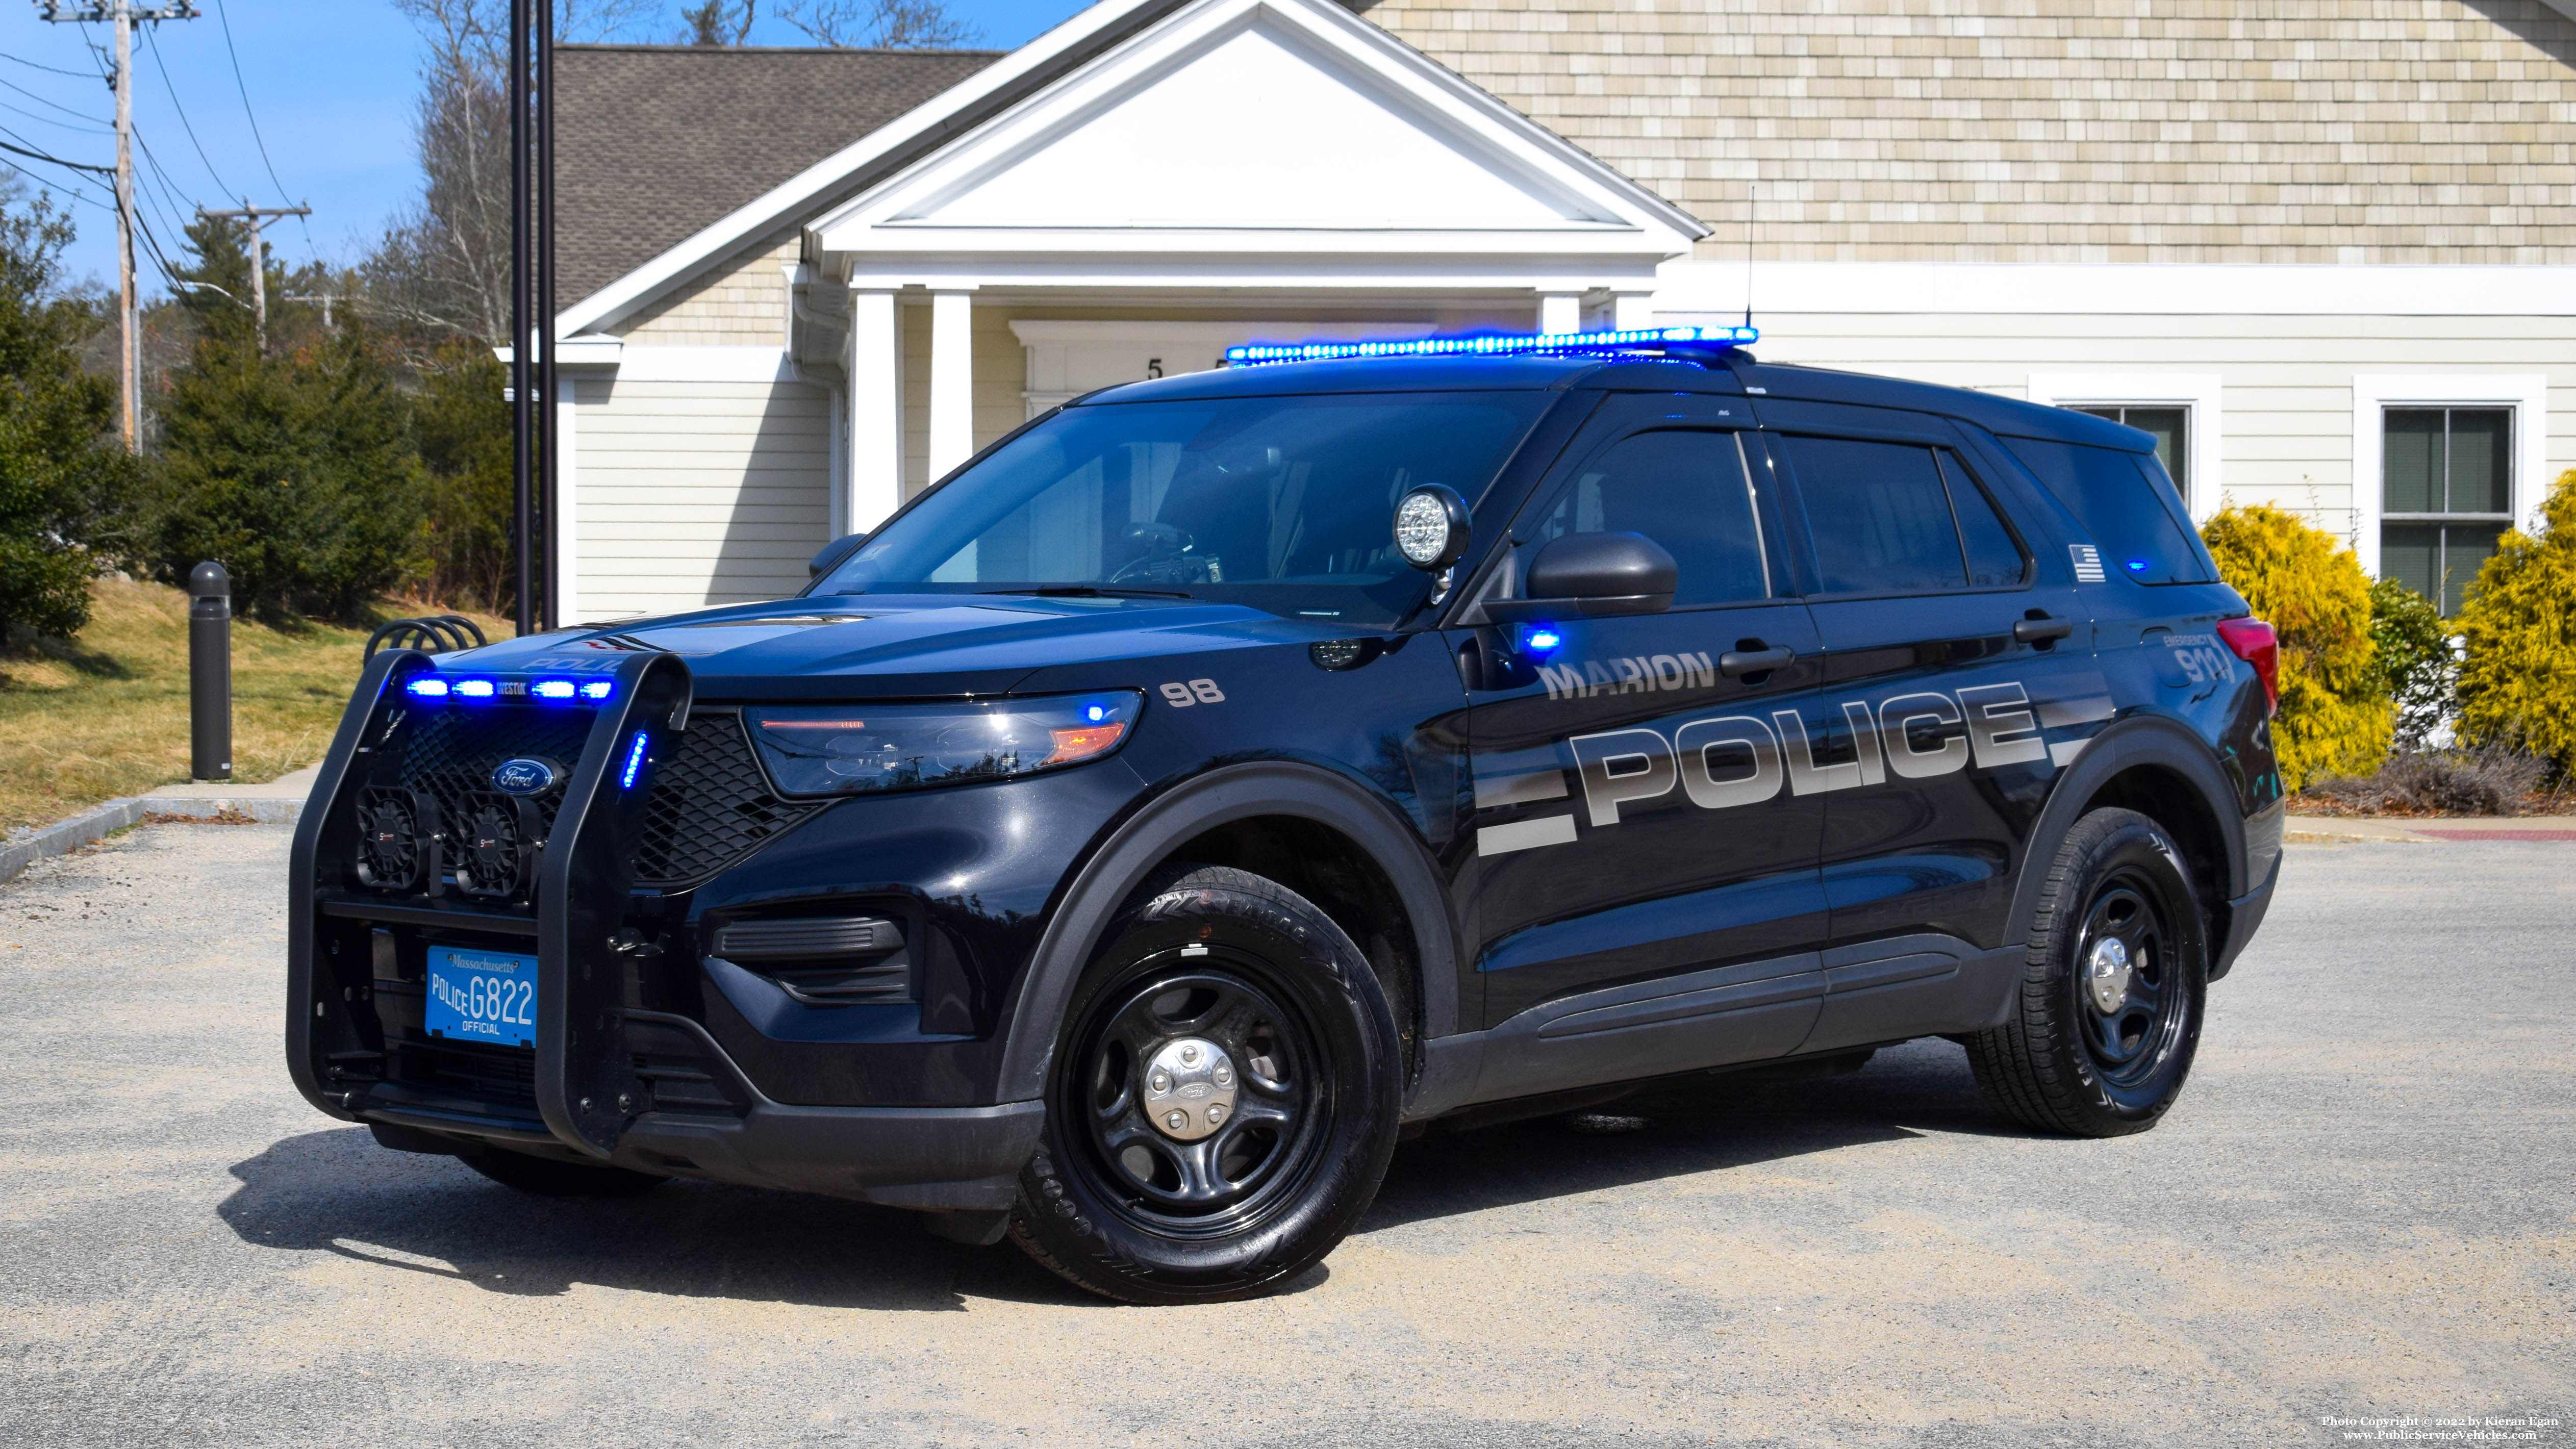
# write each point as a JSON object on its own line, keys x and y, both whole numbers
{"x": 1225, "y": 776}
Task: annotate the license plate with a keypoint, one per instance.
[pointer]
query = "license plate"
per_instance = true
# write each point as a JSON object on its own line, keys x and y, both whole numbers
{"x": 485, "y": 996}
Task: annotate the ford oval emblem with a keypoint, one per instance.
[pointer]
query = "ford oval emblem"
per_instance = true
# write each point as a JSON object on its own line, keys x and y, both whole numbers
{"x": 526, "y": 775}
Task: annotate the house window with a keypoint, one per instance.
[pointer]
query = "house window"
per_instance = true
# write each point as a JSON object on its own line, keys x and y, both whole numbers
{"x": 2446, "y": 495}
{"x": 2169, "y": 426}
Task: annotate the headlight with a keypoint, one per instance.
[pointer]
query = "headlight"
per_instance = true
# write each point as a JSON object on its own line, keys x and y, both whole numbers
{"x": 859, "y": 749}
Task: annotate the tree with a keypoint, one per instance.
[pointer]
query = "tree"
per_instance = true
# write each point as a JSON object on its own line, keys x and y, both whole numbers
{"x": 2518, "y": 678}
{"x": 718, "y": 22}
{"x": 2415, "y": 661}
{"x": 2335, "y": 716}
{"x": 879, "y": 24}
{"x": 293, "y": 466}
{"x": 463, "y": 429}
{"x": 64, "y": 480}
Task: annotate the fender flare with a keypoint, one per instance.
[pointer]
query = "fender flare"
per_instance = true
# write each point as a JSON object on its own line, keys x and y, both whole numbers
{"x": 2143, "y": 739}
{"x": 1233, "y": 792}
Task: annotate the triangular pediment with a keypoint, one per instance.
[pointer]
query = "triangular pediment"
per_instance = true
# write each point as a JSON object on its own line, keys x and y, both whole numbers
{"x": 1256, "y": 127}
{"x": 1251, "y": 118}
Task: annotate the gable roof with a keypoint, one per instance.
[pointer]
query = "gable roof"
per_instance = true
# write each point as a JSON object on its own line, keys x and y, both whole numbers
{"x": 653, "y": 143}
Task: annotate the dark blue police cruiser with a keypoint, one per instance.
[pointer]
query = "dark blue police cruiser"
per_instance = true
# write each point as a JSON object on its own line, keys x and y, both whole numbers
{"x": 1225, "y": 776}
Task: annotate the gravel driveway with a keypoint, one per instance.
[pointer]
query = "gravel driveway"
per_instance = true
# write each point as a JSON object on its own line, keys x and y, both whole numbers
{"x": 2361, "y": 1207}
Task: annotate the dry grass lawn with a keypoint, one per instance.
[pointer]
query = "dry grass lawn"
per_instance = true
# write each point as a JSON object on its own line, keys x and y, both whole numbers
{"x": 106, "y": 714}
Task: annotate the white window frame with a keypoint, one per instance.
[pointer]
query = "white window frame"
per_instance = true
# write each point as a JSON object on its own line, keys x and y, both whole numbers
{"x": 2198, "y": 392}
{"x": 2374, "y": 393}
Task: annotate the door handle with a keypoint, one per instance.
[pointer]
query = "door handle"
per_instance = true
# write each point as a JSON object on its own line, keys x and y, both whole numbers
{"x": 1736, "y": 663}
{"x": 2039, "y": 627}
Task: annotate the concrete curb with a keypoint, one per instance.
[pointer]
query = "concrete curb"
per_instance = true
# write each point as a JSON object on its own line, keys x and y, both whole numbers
{"x": 25, "y": 848}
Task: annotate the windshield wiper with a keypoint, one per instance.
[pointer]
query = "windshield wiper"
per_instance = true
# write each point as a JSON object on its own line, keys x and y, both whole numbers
{"x": 1088, "y": 591}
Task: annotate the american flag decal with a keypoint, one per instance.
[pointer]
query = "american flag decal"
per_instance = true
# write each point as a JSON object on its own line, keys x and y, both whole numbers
{"x": 2088, "y": 562}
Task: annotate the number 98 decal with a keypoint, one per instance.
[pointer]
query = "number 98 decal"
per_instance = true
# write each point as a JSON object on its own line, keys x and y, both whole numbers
{"x": 1197, "y": 691}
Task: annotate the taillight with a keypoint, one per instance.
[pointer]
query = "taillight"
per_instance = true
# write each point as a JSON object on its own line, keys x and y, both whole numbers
{"x": 2256, "y": 644}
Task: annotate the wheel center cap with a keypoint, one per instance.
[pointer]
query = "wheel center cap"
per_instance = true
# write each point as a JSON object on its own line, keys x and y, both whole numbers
{"x": 1189, "y": 1088}
{"x": 2106, "y": 974}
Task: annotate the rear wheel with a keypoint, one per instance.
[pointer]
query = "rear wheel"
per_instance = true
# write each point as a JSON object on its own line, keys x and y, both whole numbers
{"x": 552, "y": 1177}
{"x": 1223, "y": 1101}
{"x": 2109, "y": 1014}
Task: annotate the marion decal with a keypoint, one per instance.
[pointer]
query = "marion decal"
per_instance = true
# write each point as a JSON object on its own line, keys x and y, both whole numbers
{"x": 1637, "y": 674}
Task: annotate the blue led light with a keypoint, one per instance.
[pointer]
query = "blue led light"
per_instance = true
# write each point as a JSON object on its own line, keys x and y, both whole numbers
{"x": 1096, "y": 714}
{"x": 426, "y": 688}
{"x": 2137, "y": 565}
{"x": 634, "y": 763}
{"x": 476, "y": 688}
{"x": 597, "y": 689}
{"x": 551, "y": 689}
{"x": 1540, "y": 638}
{"x": 1492, "y": 346}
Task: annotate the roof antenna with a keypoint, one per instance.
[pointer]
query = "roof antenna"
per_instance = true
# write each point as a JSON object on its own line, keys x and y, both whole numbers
{"x": 1749, "y": 187}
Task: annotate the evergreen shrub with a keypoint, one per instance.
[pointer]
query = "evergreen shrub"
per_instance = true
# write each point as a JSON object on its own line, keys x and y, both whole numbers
{"x": 2518, "y": 678}
{"x": 2335, "y": 716}
{"x": 2416, "y": 663}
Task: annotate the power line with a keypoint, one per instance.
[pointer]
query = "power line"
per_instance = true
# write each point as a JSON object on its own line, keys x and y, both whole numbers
{"x": 47, "y": 156}
{"x": 58, "y": 70}
{"x": 224, "y": 19}
{"x": 173, "y": 92}
{"x": 57, "y": 105}
{"x": 50, "y": 121}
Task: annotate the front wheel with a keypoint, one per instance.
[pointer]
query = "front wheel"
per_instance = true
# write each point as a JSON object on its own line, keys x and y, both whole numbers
{"x": 2109, "y": 1014}
{"x": 1223, "y": 1100}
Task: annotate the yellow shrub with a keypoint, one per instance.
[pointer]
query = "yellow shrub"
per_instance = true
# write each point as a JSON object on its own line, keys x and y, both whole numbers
{"x": 2335, "y": 714}
{"x": 2518, "y": 684}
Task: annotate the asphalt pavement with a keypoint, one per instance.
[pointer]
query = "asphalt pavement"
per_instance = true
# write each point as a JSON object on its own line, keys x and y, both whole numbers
{"x": 2364, "y": 1208}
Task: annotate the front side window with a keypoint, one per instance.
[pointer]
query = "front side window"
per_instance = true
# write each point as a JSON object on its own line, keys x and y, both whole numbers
{"x": 1686, "y": 490}
{"x": 1284, "y": 504}
{"x": 2446, "y": 496}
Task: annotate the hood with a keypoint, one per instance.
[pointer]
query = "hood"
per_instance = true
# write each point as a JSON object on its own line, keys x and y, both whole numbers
{"x": 894, "y": 645}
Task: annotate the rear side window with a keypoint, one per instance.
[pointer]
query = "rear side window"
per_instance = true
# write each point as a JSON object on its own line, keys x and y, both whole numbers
{"x": 2129, "y": 506}
{"x": 1883, "y": 519}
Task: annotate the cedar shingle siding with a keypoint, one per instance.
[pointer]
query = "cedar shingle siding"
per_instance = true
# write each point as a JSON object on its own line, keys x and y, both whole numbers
{"x": 2058, "y": 130}
{"x": 655, "y": 142}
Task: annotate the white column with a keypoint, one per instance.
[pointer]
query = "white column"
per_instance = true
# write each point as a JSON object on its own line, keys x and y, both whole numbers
{"x": 1632, "y": 311}
{"x": 952, "y": 380}
{"x": 1560, "y": 312}
{"x": 567, "y": 519}
{"x": 876, "y": 409}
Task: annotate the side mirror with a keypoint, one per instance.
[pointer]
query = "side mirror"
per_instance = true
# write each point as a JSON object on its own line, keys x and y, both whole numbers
{"x": 1431, "y": 527}
{"x": 834, "y": 554}
{"x": 1590, "y": 575}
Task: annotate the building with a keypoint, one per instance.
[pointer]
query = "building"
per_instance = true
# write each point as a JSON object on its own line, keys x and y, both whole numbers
{"x": 2322, "y": 249}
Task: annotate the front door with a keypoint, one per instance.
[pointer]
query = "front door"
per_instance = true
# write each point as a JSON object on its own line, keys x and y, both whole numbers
{"x": 1634, "y": 823}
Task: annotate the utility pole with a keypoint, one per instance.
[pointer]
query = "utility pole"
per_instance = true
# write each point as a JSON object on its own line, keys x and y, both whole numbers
{"x": 124, "y": 17}
{"x": 259, "y": 217}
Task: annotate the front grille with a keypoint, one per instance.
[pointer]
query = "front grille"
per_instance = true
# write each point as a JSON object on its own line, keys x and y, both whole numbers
{"x": 448, "y": 753}
{"x": 710, "y": 805}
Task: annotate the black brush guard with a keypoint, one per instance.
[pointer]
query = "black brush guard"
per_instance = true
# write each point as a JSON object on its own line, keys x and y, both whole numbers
{"x": 590, "y": 1100}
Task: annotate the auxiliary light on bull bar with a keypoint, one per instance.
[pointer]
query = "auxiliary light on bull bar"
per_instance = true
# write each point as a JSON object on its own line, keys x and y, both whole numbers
{"x": 1495, "y": 345}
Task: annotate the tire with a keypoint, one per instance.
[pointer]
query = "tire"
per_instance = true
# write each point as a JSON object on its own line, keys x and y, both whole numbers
{"x": 1146, "y": 1188}
{"x": 2092, "y": 1049}
{"x": 552, "y": 1177}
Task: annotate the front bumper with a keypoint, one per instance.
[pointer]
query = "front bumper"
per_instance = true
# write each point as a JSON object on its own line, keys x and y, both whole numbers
{"x": 616, "y": 1076}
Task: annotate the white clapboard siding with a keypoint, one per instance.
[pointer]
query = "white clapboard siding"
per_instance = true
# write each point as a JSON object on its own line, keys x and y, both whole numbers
{"x": 2287, "y": 431}
{"x": 699, "y": 493}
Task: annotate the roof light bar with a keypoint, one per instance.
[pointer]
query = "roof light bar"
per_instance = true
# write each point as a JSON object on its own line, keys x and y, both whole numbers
{"x": 1493, "y": 346}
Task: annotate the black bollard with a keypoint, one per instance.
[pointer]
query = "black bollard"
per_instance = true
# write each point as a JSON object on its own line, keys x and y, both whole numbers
{"x": 210, "y": 672}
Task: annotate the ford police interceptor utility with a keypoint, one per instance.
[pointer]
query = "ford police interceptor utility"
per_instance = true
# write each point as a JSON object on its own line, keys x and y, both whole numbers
{"x": 1226, "y": 775}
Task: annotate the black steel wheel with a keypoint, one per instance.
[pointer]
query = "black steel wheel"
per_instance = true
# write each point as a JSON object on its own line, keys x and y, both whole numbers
{"x": 2109, "y": 1014}
{"x": 1223, "y": 1100}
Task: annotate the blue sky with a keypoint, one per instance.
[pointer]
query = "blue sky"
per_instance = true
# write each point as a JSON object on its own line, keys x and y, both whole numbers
{"x": 331, "y": 88}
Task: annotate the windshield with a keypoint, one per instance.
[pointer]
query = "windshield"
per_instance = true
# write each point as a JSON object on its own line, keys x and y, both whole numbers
{"x": 1280, "y": 503}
